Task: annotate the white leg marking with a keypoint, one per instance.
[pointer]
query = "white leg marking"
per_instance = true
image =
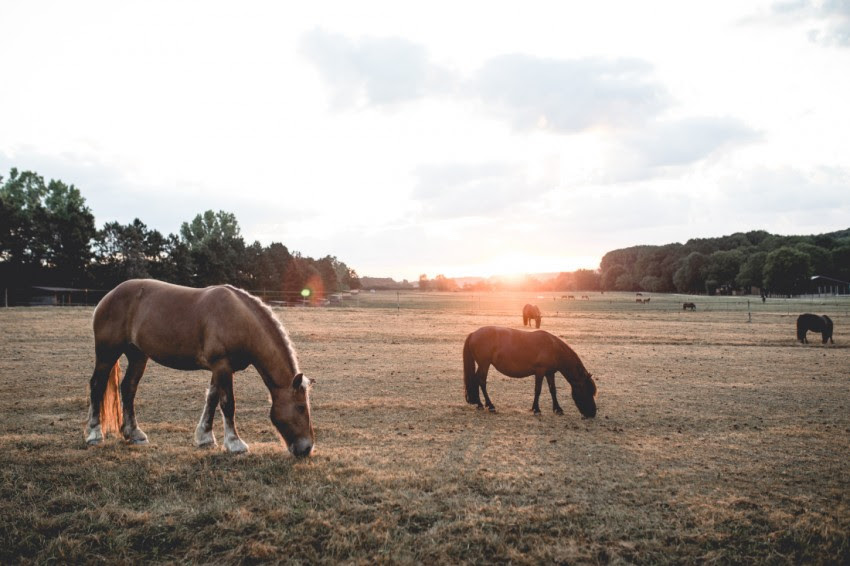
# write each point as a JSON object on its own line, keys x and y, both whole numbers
{"x": 94, "y": 436}
{"x": 204, "y": 435}
{"x": 232, "y": 442}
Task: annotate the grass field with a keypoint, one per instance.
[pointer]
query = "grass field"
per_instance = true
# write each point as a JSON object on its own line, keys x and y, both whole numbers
{"x": 717, "y": 440}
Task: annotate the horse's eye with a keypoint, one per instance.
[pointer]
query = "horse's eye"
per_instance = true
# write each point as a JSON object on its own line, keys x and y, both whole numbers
{"x": 301, "y": 408}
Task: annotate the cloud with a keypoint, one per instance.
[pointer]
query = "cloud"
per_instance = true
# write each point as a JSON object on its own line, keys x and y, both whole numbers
{"x": 371, "y": 71}
{"x": 559, "y": 95}
{"x": 685, "y": 141}
{"x": 475, "y": 190}
{"x": 565, "y": 95}
{"x": 827, "y": 22}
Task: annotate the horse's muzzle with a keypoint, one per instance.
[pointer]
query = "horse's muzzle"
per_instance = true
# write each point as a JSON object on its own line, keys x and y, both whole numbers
{"x": 301, "y": 448}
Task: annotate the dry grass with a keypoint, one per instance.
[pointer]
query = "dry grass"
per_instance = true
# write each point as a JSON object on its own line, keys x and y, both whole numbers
{"x": 716, "y": 441}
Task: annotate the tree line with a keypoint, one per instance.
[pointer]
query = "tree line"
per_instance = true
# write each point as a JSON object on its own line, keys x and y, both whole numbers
{"x": 48, "y": 237}
{"x": 741, "y": 262}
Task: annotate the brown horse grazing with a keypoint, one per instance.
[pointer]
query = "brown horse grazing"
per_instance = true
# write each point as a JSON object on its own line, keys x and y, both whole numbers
{"x": 517, "y": 353}
{"x": 529, "y": 313}
{"x": 222, "y": 329}
{"x": 689, "y": 306}
{"x": 814, "y": 323}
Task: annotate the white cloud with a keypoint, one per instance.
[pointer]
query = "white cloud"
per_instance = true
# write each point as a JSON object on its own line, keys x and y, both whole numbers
{"x": 440, "y": 137}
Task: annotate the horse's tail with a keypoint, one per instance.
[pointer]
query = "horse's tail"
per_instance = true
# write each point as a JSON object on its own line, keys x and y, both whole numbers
{"x": 111, "y": 417}
{"x": 469, "y": 380}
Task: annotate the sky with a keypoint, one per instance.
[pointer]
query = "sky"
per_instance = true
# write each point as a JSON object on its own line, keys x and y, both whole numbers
{"x": 453, "y": 138}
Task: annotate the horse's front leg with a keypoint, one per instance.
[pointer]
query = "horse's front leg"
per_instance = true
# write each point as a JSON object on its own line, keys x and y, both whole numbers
{"x": 135, "y": 368}
{"x": 204, "y": 435}
{"x": 232, "y": 442}
{"x": 538, "y": 386}
{"x": 550, "y": 379}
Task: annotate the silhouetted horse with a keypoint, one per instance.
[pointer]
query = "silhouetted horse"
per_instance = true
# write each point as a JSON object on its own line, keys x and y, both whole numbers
{"x": 689, "y": 306}
{"x": 811, "y": 322}
{"x": 222, "y": 329}
{"x": 529, "y": 313}
{"x": 517, "y": 353}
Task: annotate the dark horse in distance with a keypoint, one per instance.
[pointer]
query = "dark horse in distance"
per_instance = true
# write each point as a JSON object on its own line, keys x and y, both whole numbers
{"x": 529, "y": 313}
{"x": 221, "y": 329}
{"x": 517, "y": 353}
{"x": 811, "y": 322}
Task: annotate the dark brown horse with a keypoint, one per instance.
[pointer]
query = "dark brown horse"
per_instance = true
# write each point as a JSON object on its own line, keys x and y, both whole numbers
{"x": 222, "y": 329}
{"x": 689, "y": 306}
{"x": 529, "y": 313}
{"x": 814, "y": 323}
{"x": 517, "y": 353}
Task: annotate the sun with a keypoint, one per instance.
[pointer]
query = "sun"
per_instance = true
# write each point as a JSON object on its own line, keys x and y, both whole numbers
{"x": 517, "y": 265}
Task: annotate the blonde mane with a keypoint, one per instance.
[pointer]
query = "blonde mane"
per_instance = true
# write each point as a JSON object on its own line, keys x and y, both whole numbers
{"x": 266, "y": 313}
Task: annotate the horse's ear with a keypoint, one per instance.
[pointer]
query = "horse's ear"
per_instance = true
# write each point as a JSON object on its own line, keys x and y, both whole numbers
{"x": 300, "y": 381}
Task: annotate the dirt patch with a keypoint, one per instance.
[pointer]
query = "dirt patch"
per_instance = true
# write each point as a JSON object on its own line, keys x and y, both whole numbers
{"x": 716, "y": 439}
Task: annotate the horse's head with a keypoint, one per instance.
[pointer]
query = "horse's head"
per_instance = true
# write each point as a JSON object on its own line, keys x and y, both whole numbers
{"x": 290, "y": 414}
{"x": 584, "y": 393}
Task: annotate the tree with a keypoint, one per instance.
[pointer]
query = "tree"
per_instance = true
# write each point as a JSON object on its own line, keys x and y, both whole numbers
{"x": 586, "y": 280}
{"x": 131, "y": 251}
{"x": 46, "y": 231}
{"x": 787, "y": 271}
{"x": 216, "y": 247}
{"x": 610, "y": 277}
{"x": 722, "y": 267}
{"x": 820, "y": 258}
{"x": 689, "y": 278}
{"x": 327, "y": 271}
{"x": 841, "y": 261}
{"x": 751, "y": 272}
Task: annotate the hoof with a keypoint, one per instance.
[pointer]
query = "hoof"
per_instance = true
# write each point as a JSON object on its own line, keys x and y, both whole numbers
{"x": 136, "y": 436}
{"x": 536, "y": 412}
{"x": 204, "y": 439}
{"x": 236, "y": 447}
{"x": 94, "y": 437}
{"x": 559, "y": 411}
{"x": 491, "y": 409}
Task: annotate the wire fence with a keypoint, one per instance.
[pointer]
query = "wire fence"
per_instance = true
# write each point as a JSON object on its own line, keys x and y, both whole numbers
{"x": 500, "y": 302}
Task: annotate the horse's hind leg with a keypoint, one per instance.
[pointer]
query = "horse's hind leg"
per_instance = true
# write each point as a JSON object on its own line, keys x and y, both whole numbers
{"x": 538, "y": 386}
{"x": 97, "y": 387}
{"x": 550, "y": 380}
{"x": 138, "y": 361}
{"x": 482, "y": 381}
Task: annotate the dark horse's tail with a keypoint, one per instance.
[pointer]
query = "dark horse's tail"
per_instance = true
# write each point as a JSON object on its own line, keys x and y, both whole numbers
{"x": 470, "y": 381}
{"x": 110, "y": 407}
{"x": 827, "y": 330}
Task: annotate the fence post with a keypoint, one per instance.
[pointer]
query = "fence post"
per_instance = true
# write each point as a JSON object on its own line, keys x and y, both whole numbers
{"x": 749, "y": 314}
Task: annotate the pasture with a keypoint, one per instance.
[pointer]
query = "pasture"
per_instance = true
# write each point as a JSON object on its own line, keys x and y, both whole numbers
{"x": 717, "y": 440}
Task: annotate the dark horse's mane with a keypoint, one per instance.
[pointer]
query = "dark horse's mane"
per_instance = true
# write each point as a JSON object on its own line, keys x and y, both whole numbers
{"x": 270, "y": 321}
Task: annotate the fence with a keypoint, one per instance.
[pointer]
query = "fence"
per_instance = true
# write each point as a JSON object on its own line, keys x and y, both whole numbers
{"x": 507, "y": 302}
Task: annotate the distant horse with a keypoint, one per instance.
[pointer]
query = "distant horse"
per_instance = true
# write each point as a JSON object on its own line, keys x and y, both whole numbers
{"x": 529, "y": 313}
{"x": 814, "y": 323}
{"x": 689, "y": 306}
{"x": 222, "y": 329}
{"x": 517, "y": 353}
